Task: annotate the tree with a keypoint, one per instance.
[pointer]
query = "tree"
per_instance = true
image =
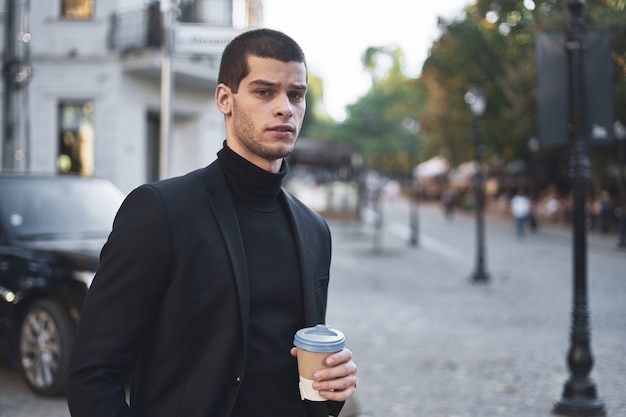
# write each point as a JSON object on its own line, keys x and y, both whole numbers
{"x": 383, "y": 124}
{"x": 493, "y": 46}
{"x": 316, "y": 120}
{"x": 473, "y": 52}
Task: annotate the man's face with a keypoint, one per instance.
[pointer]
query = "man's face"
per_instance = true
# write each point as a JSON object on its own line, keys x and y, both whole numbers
{"x": 264, "y": 118}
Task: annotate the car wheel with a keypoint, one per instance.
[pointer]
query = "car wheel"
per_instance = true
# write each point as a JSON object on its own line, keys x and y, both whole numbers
{"x": 45, "y": 340}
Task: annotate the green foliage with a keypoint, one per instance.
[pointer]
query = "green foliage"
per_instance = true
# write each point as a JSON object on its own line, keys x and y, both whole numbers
{"x": 315, "y": 119}
{"x": 491, "y": 46}
{"x": 383, "y": 125}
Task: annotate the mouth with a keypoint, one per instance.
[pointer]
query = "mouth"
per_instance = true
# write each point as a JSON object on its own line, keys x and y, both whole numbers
{"x": 282, "y": 129}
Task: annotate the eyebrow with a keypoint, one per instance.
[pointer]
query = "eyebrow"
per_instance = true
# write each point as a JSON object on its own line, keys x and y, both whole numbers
{"x": 265, "y": 83}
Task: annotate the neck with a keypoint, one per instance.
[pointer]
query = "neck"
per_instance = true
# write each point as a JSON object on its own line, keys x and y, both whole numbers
{"x": 273, "y": 165}
{"x": 250, "y": 184}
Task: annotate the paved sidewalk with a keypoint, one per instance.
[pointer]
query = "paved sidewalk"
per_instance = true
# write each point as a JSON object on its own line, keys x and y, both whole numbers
{"x": 430, "y": 343}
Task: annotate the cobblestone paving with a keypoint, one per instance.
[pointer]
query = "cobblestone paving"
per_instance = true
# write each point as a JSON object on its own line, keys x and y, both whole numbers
{"x": 430, "y": 343}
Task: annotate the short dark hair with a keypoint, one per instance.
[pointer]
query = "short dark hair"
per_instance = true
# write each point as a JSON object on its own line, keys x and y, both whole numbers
{"x": 263, "y": 43}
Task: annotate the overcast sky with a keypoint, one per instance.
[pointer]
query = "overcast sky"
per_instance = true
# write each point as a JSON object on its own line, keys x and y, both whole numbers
{"x": 335, "y": 33}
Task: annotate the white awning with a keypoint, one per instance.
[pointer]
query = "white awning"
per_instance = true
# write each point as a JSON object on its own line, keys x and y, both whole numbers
{"x": 435, "y": 166}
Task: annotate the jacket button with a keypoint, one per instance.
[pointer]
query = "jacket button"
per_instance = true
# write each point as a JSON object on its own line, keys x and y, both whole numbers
{"x": 237, "y": 379}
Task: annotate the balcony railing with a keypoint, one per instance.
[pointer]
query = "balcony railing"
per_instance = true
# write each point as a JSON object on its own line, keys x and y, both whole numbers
{"x": 136, "y": 30}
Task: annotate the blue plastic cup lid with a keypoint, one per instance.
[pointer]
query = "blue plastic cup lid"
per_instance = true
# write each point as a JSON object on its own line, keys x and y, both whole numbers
{"x": 321, "y": 338}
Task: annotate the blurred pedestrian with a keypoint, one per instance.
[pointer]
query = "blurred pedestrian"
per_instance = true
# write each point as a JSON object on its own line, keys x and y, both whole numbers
{"x": 206, "y": 278}
{"x": 520, "y": 209}
{"x": 553, "y": 206}
{"x": 447, "y": 201}
{"x": 605, "y": 212}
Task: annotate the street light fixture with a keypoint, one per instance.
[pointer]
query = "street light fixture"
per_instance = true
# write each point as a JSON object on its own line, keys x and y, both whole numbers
{"x": 477, "y": 102}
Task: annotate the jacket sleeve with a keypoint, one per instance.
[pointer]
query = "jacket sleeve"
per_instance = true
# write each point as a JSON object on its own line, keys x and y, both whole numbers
{"x": 322, "y": 408}
{"x": 119, "y": 308}
{"x": 334, "y": 407}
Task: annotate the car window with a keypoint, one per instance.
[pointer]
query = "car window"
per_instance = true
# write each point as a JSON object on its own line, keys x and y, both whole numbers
{"x": 37, "y": 209}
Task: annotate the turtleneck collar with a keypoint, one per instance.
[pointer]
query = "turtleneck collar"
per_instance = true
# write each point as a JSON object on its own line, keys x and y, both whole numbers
{"x": 252, "y": 186}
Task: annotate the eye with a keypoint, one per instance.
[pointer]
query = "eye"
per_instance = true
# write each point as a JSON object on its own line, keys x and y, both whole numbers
{"x": 263, "y": 93}
{"x": 296, "y": 95}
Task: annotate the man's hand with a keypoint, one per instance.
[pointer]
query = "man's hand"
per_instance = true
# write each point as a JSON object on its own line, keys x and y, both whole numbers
{"x": 337, "y": 381}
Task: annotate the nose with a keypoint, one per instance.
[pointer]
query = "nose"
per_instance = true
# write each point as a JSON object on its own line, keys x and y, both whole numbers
{"x": 284, "y": 107}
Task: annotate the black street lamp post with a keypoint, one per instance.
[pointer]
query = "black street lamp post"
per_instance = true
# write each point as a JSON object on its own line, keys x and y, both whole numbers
{"x": 620, "y": 134}
{"x": 478, "y": 102}
{"x": 533, "y": 146}
{"x": 414, "y": 212}
{"x": 413, "y": 127}
{"x": 579, "y": 396}
{"x": 9, "y": 70}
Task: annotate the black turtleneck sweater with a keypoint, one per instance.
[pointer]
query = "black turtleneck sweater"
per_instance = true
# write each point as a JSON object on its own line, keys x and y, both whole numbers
{"x": 270, "y": 383}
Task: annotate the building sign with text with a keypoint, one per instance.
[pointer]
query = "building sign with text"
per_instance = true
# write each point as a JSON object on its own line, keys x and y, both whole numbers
{"x": 202, "y": 40}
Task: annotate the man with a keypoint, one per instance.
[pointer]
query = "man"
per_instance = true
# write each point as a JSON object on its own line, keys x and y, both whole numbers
{"x": 205, "y": 278}
{"x": 520, "y": 209}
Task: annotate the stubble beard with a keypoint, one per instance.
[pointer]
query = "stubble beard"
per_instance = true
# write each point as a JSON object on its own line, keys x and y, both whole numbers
{"x": 244, "y": 130}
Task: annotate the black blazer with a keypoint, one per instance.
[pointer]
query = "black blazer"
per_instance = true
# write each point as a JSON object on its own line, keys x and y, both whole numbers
{"x": 170, "y": 303}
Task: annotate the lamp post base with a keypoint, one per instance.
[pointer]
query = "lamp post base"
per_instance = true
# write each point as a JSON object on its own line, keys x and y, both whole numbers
{"x": 480, "y": 276}
{"x": 579, "y": 408}
{"x": 575, "y": 409}
{"x": 580, "y": 400}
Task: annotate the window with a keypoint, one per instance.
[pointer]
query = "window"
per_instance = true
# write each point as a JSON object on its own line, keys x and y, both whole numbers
{"x": 76, "y": 138}
{"x": 77, "y": 9}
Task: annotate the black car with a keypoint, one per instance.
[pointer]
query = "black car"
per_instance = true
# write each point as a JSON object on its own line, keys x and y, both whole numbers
{"x": 52, "y": 229}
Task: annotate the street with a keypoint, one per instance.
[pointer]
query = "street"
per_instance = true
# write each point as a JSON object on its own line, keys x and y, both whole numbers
{"x": 429, "y": 342}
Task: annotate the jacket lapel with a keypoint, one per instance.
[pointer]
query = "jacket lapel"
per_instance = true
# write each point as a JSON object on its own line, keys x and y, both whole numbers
{"x": 221, "y": 202}
{"x": 306, "y": 255}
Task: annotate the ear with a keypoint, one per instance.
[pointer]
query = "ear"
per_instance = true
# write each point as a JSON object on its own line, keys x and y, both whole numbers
{"x": 223, "y": 99}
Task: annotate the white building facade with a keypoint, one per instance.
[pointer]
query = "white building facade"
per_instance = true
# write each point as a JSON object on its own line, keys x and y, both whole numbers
{"x": 92, "y": 100}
